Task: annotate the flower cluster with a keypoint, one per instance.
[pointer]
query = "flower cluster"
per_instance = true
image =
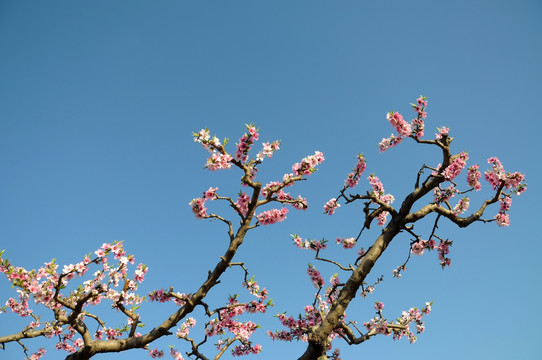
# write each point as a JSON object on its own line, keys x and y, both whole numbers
{"x": 441, "y": 132}
{"x": 347, "y": 243}
{"x": 299, "y": 328}
{"x": 204, "y": 138}
{"x": 331, "y": 206}
{"x": 298, "y": 203}
{"x": 388, "y": 143}
{"x": 457, "y": 165}
{"x": 242, "y": 203}
{"x": 462, "y": 206}
{"x": 44, "y": 286}
{"x": 444, "y": 249}
{"x": 401, "y": 327}
{"x": 513, "y": 182}
{"x": 227, "y": 322}
{"x": 443, "y": 195}
{"x": 353, "y": 178}
{"x": 38, "y": 354}
{"x": 268, "y": 150}
{"x": 182, "y": 332}
{"x": 415, "y": 129}
{"x": 156, "y": 354}
{"x": 418, "y": 247}
{"x": 163, "y": 296}
{"x": 333, "y": 290}
{"x": 308, "y": 244}
{"x": 272, "y": 216}
{"x": 246, "y": 349}
{"x": 270, "y": 188}
{"x": 473, "y": 177}
{"x": 502, "y": 218}
{"x": 218, "y": 161}
{"x": 417, "y": 124}
{"x": 497, "y": 177}
{"x": 307, "y": 166}
{"x": 175, "y": 354}
{"x": 401, "y": 126}
{"x": 379, "y": 193}
{"x": 198, "y": 204}
{"x": 253, "y": 288}
{"x": 245, "y": 143}
{"x": 315, "y": 276}
{"x": 159, "y": 296}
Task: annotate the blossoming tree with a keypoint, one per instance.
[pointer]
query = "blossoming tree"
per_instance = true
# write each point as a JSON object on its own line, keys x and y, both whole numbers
{"x": 64, "y": 304}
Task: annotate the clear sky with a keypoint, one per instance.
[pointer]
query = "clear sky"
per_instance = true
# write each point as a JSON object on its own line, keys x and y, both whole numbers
{"x": 98, "y": 100}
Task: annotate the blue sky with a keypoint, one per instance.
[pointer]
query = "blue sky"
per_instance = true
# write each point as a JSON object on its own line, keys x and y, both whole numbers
{"x": 98, "y": 101}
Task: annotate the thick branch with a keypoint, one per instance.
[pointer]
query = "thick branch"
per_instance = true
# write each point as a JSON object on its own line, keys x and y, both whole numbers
{"x": 105, "y": 346}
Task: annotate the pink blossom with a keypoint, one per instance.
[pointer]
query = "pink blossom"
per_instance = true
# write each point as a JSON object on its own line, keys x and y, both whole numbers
{"x": 176, "y": 355}
{"x": 268, "y": 150}
{"x": 315, "y": 276}
{"x": 462, "y": 206}
{"x": 473, "y": 177}
{"x": 210, "y": 194}
{"x": 455, "y": 168}
{"x": 242, "y": 203}
{"x": 307, "y": 166}
{"x": 347, "y": 243}
{"x": 497, "y": 177}
{"x": 182, "y": 332}
{"x": 376, "y": 184}
{"x": 444, "y": 195}
{"x": 417, "y": 248}
{"x": 272, "y": 216}
{"x": 396, "y": 120}
{"x": 245, "y": 143}
{"x": 379, "y": 306}
{"x": 38, "y": 354}
{"x": 300, "y": 203}
{"x": 505, "y": 201}
{"x": 422, "y": 101}
{"x": 390, "y": 142}
{"x": 353, "y": 178}
{"x": 502, "y": 219}
{"x": 219, "y": 161}
{"x": 382, "y": 218}
{"x": 427, "y": 309}
{"x": 246, "y": 349}
{"x": 496, "y": 174}
{"x": 308, "y": 244}
{"x": 444, "y": 249}
{"x": 417, "y": 124}
{"x": 441, "y": 131}
{"x": 270, "y": 188}
{"x": 331, "y": 206}
{"x": 159, "y": 295}
{"x": 198, "y": 207}
{"x": 156, "y": 353}
{"x": 139, "y": 274}
{"x": 515, "y": 180}
{"x": 202, "y": 136}
{"x": 253, "y": 287}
